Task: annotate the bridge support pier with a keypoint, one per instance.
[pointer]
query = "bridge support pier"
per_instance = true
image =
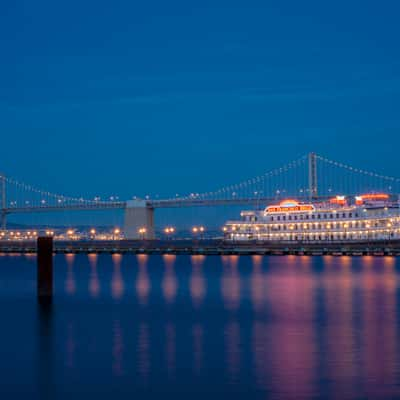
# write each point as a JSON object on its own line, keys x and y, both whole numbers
{"x": 139, "y": 220}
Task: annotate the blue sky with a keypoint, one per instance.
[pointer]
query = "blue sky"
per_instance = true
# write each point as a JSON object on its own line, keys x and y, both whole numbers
{"x": 159, "y": 97}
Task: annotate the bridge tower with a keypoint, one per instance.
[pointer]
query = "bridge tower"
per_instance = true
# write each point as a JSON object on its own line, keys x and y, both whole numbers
{"x": 312, "y": 176}
{"x": 3, "y": 212}
{"x": 139, "y": 220}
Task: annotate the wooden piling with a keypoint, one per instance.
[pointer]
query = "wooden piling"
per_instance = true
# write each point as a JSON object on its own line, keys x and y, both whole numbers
{"x": 45, "y": 269}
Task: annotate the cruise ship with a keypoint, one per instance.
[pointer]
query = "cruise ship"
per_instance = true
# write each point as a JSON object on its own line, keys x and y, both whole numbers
{"x": 372, "y": 216}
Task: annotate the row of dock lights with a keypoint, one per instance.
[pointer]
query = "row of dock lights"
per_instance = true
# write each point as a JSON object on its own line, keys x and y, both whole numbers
{"x": 19, "y": 234}
{"x": 93, "y": 233}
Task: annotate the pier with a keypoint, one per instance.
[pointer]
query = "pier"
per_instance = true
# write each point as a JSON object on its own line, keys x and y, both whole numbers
{"x": 210, "y": 247}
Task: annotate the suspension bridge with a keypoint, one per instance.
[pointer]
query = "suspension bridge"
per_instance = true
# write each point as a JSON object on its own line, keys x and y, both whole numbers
{"x": 311, "y": 177}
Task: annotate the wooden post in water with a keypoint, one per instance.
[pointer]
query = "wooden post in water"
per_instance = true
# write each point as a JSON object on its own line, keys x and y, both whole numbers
{"x": 45, "y": 269}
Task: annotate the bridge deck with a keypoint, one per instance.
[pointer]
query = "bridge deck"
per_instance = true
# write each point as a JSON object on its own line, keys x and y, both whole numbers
{"x": 173, "y": 203}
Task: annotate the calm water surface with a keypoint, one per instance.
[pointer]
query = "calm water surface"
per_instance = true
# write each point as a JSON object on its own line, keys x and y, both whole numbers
{"x": 125, "y": 327}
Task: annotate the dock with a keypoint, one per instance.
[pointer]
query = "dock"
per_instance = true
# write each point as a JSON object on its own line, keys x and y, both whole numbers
{"x": 209, "y": 247}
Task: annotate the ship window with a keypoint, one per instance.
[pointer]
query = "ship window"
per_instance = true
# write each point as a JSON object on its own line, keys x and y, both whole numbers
{"x": 344, "y": 215}
{"x": 307, "y": 216}
{"x": 319, "y": 216}
{"x": 301, "y": 216}
{"x": 350, "y": 215}
{"x": 337, "y": 216}
{"x": 272, "y": 218}
{"x": 278, "y": 218}
{"x": 324, "y": 216}
{"x": 331, "y": 216}
{"x": 295, "y": 217}
{"x": 313, "y": 216}
{"x": 356, "y": 215}
{"x": 290, "y": 217}
{"x": 284, "y": 218}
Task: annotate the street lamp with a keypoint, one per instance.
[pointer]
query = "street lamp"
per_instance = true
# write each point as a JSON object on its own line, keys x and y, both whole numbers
{"x": 169, "y": 231}
{"x": 92, "y": 233}
{"x": 116, "y": 233}
{"x": 389, "y": 225}
{"x": 198, "y": 229}
{"x": 142, "y": 232}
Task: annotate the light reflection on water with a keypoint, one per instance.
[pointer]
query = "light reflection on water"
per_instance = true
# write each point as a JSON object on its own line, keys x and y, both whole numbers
{"x": 94, "y": 282}
{"x": 276, "y": 327}
{"x": 142, "y": 281}
{"x": 169, "y": 282}
{"x": 117, "y": 283}
{"x": 230, "y": 282}
{"x": 70, "y": 284}
{"x": 197, "y": 281}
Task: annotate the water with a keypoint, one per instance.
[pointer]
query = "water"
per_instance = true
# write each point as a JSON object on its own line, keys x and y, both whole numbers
{"x": 125, "y": 327}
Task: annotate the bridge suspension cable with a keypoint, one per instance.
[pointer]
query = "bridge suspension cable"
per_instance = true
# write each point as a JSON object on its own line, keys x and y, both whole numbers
{"x": 358, "y": 170}
{"x": 341, "y": 177}
{"x": 20, "y": 194}
{"x": 271, "y": 183}
{"x": 291, "y": 179}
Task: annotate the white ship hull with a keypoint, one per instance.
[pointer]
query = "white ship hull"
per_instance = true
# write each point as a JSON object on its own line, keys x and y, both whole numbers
{"x": 372, "y": 217}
